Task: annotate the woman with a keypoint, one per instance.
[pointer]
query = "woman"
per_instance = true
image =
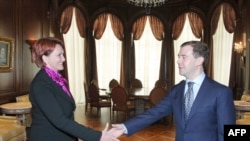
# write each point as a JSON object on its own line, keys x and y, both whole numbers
{"x": 52, "y": 103}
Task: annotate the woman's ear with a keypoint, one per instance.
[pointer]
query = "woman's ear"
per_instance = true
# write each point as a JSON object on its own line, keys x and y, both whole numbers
{"x": 45, "y": 58}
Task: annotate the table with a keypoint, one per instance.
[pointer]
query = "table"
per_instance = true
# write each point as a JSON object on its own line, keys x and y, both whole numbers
{"x": 140, "y": 97}
{"x": 17, "y": 108}
{"x": 139, "y": 93}
{"x": 240, "y": 107}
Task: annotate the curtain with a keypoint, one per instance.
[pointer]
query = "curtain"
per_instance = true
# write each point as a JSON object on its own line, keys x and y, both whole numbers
{"x": 148, "y": 46}
{"x": 109, "y": 46}
{"x": 184, "y": 30}
{"x": 74, "y": 49}
{"x": 222, "y": 49}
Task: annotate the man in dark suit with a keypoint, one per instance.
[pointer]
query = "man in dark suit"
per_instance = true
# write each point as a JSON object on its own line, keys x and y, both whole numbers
{"x": 212, "y": 105}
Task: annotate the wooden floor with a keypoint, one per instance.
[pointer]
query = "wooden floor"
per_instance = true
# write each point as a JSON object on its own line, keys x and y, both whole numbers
{"x": 160, "y": 131}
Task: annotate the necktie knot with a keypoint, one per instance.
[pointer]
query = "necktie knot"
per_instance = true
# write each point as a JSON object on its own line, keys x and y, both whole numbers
{"x": 190, "y": 84}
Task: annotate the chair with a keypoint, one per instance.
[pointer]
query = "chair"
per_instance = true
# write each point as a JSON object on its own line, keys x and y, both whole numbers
{"x": 246, "y": 97}
{"x": 87, "y": 98}
{"x": 113, "y": 83}
{"x": 155, "y": 96}
{"x": 161, "y": 83}
{"x": 120, "y": 100}
{"x": 95, "y": 83}
{"x": 104, "y": 97}
{"x": 245, "y": 116}
{"x": 10, "y": 130}
{"x": 136, "y": 83}
{"x": 28, "y": 117}
{"x": 96, "y": 100}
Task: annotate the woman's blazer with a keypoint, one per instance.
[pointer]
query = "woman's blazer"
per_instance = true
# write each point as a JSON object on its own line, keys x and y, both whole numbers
{"x": 53, "y": 113}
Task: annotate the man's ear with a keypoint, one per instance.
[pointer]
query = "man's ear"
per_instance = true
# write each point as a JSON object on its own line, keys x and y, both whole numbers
{"x": 200, "y": 60}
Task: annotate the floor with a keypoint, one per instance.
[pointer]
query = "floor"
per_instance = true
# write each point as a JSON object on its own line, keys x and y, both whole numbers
{"x": 160, "y": 131}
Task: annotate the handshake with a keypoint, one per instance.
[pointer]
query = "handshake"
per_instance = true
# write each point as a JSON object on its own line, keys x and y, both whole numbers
{"x": 113, "y": 133}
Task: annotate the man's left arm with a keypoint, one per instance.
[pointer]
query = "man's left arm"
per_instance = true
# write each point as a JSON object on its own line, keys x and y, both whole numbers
{"x": 225, "y": 111}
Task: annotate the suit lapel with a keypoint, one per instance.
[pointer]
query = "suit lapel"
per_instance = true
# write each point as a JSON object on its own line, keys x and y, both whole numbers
{"x": 201, "y": 96}
{"x": 59, "y": 90}
{"x": 179, "y": 101}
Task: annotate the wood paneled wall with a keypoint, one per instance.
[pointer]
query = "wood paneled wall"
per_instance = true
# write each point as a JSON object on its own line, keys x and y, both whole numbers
{"x": 21, "y": 20}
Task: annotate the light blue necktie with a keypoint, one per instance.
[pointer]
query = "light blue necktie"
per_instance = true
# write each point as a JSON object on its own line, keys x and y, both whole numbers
{"x": 189, "y": 99}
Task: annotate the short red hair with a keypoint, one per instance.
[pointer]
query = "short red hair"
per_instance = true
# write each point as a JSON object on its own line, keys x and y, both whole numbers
{"x": 44, "y": 46}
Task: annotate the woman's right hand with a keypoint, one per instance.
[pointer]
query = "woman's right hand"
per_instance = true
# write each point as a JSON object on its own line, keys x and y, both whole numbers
{"x": 107, "y": 135}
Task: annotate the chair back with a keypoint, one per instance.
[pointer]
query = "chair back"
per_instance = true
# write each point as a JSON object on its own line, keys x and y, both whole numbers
{"x": 119, "y": 96}
{"x": 95, "y": 83}
{"x": 161, "y": 83}
{"x": 136, "y": 83}
{"x": 156, "y": 95}
{"x": 93, "y": 93}
{"x": 113, "y": 83}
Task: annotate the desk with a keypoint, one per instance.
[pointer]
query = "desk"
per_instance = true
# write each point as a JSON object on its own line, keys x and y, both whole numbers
{"x": 17, "y": 108}
{"x": 241, "y": 106}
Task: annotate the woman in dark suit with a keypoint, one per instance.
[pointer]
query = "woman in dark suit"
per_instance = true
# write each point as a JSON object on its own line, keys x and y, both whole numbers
{"x": 212, "y": 106}
{"x": 52, "y": 103}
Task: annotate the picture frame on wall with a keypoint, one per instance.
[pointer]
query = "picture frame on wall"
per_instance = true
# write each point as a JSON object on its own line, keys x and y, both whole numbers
{"x": 6, "y": 54}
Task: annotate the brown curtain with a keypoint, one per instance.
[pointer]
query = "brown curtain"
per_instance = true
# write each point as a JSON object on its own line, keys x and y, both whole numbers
{"x": 178, "y": 26}
{"x": 99, "y": 28}
{"x": 137, "y": 30}
{"x": 214, "y": 25}
{"x": 158, "y": 32}
{"x": 176, "y": 32}
{"x": 196, "y": 24}
{"x": 81, "y": 23}
{"x": 66, "y": 18}
{"x": 229, "y": 18}
{"x": 118, "y": 30}
{"x": 156, "y": 27}
{"x": 100, "y": 25}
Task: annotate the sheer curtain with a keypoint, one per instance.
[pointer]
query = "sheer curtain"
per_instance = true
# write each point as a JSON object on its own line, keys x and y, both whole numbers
{"x": 108, "y": 54}
{"x": 74, "y": 48}
{"x": 147, "y": 56}
{"x": 186, "y": 35}
{"x": 222, "y": 52}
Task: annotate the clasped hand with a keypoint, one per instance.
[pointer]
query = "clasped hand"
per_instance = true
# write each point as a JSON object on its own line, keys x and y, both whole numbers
{"x": 112, "y": 135}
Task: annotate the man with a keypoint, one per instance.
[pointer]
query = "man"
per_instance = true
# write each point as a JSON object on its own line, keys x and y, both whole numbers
{"x": 212, "y": 106}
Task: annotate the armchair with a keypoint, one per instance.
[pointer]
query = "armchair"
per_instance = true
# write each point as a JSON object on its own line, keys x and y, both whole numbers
{"x": 10, "y": 130}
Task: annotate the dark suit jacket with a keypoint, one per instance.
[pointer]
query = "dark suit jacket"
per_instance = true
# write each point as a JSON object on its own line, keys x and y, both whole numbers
{"x": 53, "y": 113}
{"x": 211, "y": 110}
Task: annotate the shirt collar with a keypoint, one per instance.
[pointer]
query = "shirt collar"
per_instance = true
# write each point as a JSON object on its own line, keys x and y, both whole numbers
{"x": 198, "y": 80}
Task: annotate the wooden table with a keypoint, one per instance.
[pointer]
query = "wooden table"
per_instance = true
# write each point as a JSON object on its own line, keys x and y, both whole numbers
{"x": 17, "y": 108}
{"x": 240, "y": 107}
{"x": 139, "y": 93}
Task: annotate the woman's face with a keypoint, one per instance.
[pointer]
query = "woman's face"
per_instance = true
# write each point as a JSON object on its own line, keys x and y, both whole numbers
{"x": 56, "y": 59}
